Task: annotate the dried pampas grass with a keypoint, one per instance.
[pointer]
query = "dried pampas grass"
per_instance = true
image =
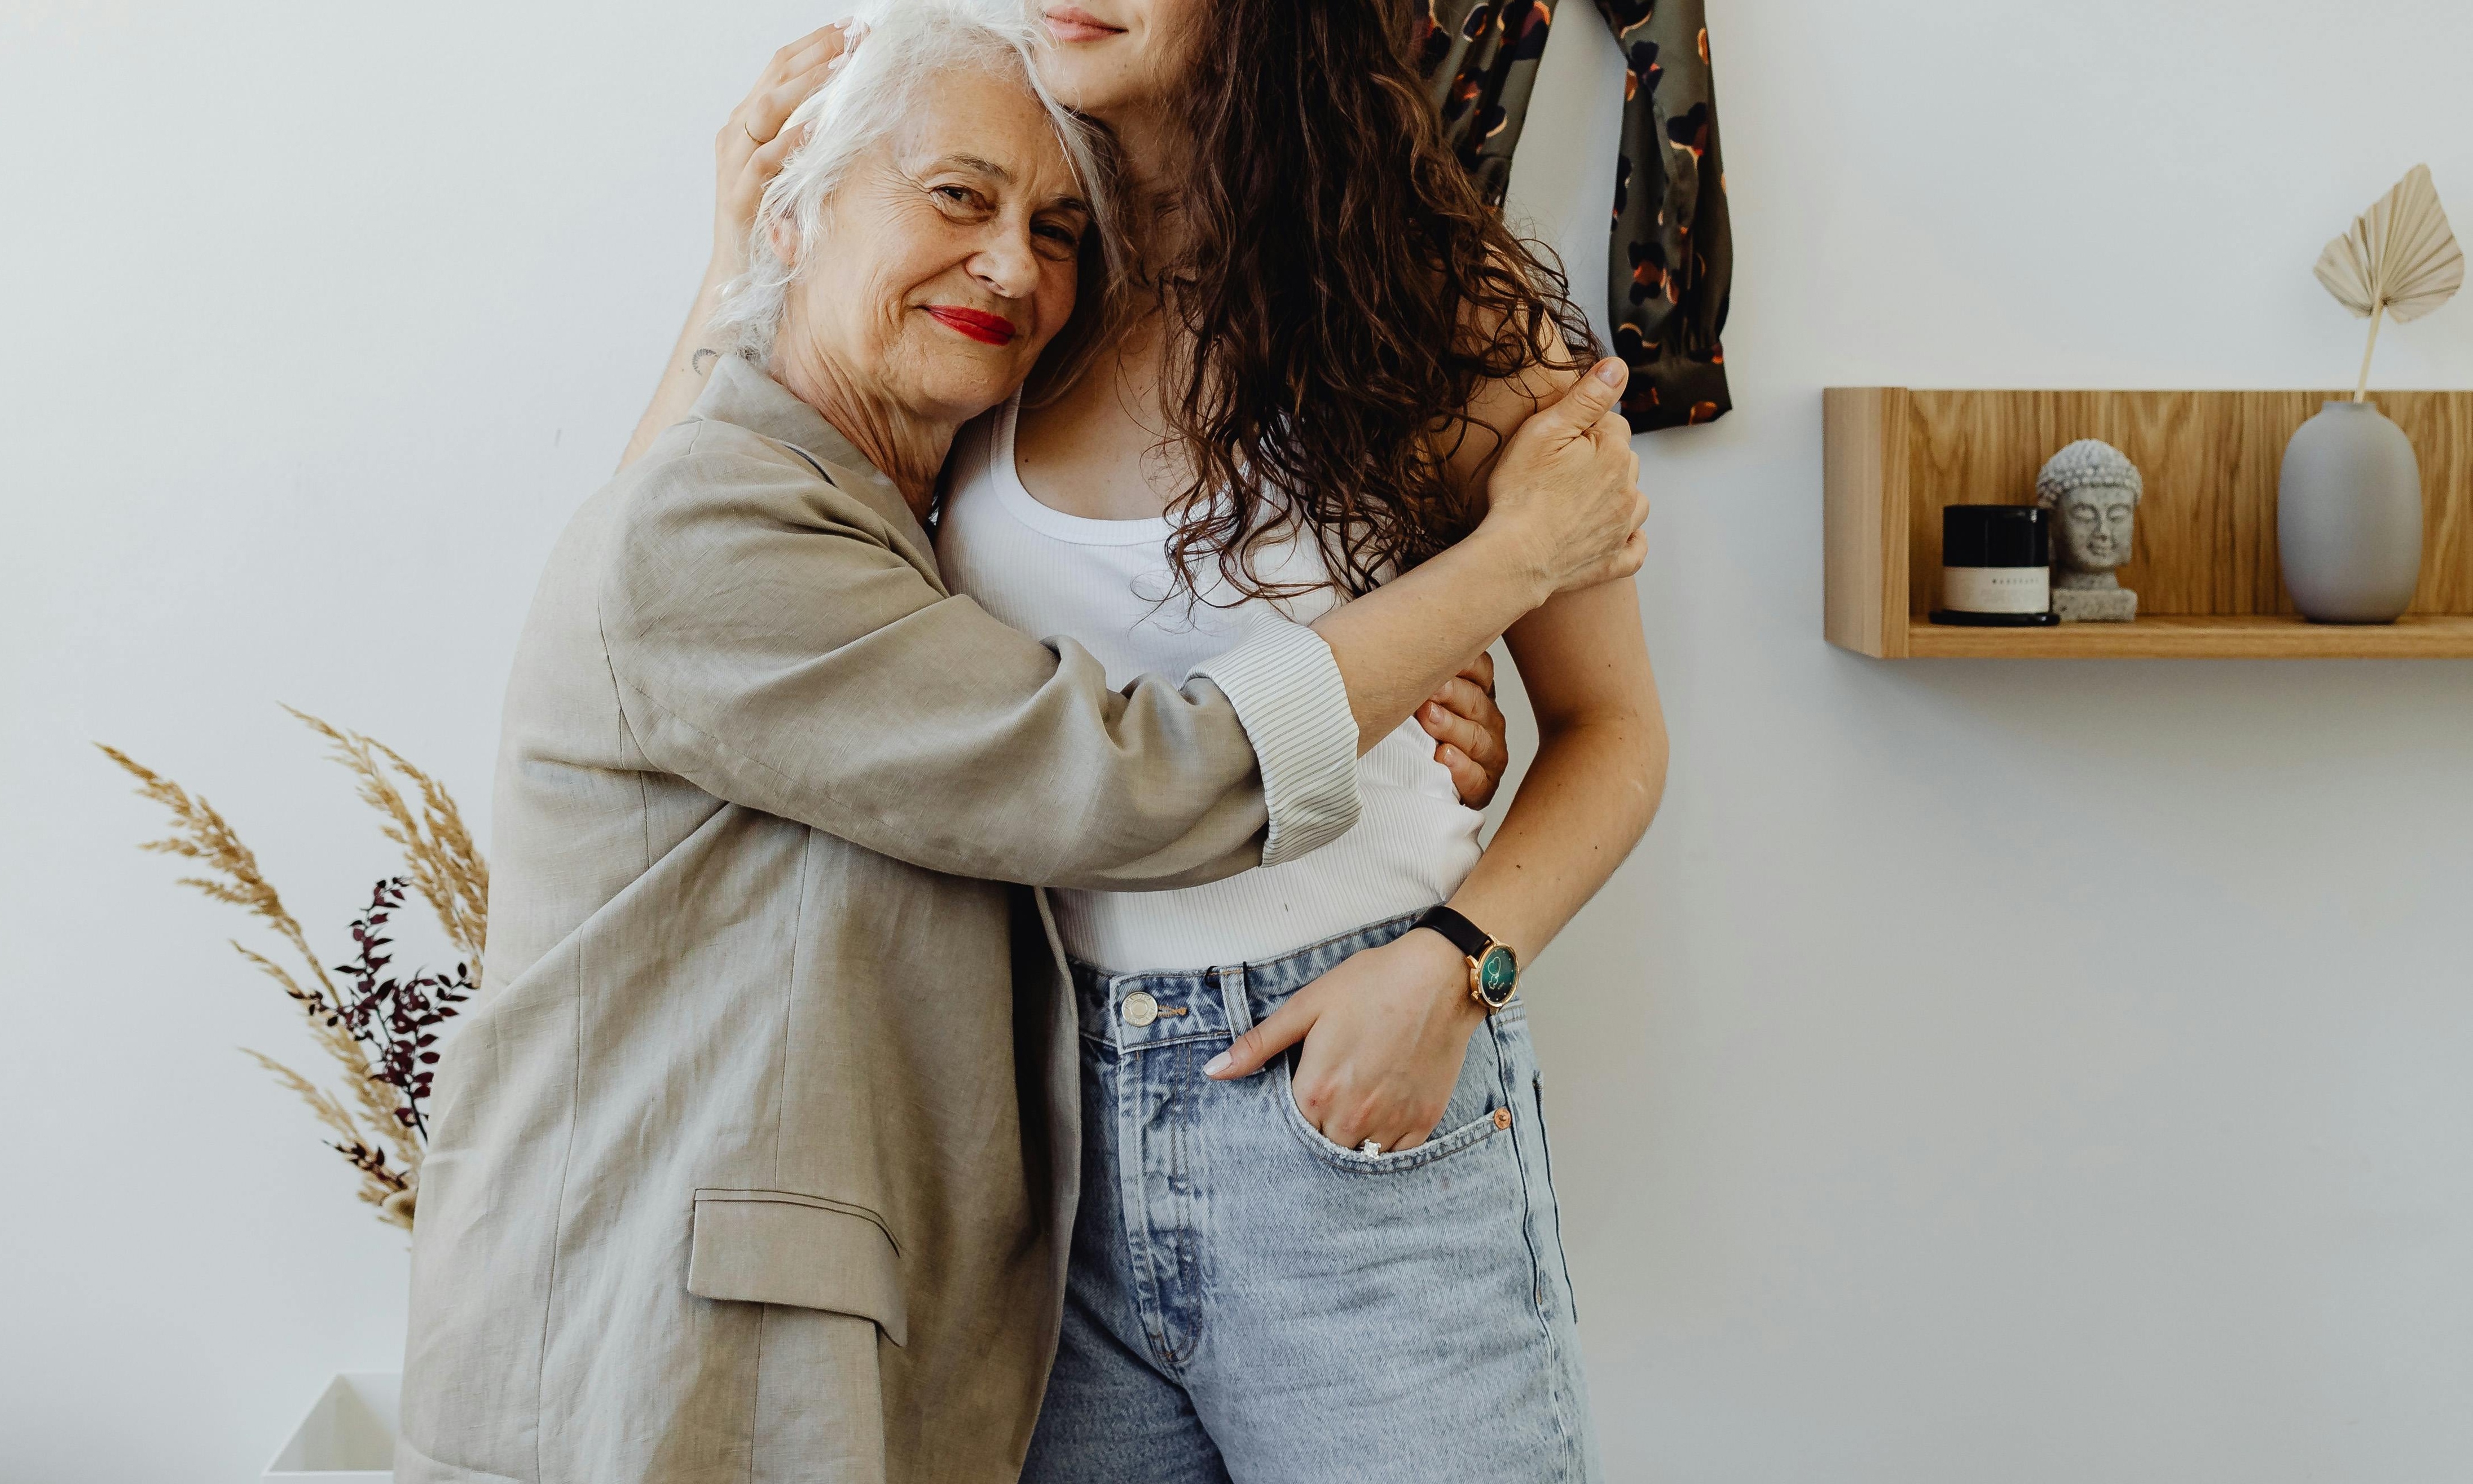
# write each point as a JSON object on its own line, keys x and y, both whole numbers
{"x": 381, "y": 1029}
{"x": 2400, "y": 260}
{"x": 439, "y": 856}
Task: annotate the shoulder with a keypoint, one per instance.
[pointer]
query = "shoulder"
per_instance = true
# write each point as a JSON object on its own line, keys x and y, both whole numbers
{"x": 706, "y": 478}
{"x": 704, "y": 453}
{"x": 1545, "y": 371}
{"x": 1500, "y": 405}
{"x": 713, "y": 509}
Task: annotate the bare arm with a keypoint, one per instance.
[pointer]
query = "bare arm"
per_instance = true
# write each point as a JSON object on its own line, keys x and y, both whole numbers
{"x": 1500, "y": 407}
{"x": 1467, "y": 726}
{"x": 747, "y": 154}
{"x": 1600, "y": 765}
{"x": 1598, "y": 776}
{"x": 1400, "y": 645}
{"x": 682, "y": 375}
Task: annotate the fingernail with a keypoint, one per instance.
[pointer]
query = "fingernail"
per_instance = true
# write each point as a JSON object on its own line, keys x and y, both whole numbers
{"x": 1611, "y": 372}
{"x": 1215, "y": 1065}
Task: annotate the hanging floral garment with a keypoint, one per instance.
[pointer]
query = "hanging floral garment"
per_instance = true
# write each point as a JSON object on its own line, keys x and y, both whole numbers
{"x": 1672, "y": 255}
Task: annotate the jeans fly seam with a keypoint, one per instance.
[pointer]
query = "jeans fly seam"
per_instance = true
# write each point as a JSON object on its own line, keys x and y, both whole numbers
{"x": 1130, "y": 1175}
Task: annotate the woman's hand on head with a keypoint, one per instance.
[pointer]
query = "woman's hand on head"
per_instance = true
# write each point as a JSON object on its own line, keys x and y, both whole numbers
{"x": 1470, "y": 737}
{"x": 1566, "y": 493}
{"x": 748, "y": 151}
{"x": 1383, "y": 1036}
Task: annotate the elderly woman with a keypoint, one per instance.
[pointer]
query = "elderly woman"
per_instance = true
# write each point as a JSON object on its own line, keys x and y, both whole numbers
{"x": 758, "y": 1158}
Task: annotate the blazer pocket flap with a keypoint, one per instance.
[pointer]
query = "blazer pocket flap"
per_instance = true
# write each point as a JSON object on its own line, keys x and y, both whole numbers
{"x": 780, "y": 1247}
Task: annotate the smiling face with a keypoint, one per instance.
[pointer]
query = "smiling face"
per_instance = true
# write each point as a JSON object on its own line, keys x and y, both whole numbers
{"x": 1116, "y": 60}
{"x": 946, "y": 259}
{"x": 2094, "y": 527}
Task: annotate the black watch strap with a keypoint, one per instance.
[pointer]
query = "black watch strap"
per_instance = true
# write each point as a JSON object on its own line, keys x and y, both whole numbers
{"x": 1464, "y": 934}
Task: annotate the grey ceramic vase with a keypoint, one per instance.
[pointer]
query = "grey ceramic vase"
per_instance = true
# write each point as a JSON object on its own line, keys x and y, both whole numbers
{"x": 2348, "y": 517}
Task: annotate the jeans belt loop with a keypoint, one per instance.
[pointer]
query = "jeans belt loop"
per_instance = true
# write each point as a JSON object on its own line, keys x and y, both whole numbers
{"x": 1231, "y": 996}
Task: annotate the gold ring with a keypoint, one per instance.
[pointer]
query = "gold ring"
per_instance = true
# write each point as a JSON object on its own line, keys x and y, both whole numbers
{"x": 1369, "y": 1147}
{"x": 751, "y": 136}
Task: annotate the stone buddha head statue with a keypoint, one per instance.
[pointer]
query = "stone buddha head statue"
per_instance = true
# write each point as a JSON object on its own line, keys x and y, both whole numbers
{"x": 2093, "y": 490}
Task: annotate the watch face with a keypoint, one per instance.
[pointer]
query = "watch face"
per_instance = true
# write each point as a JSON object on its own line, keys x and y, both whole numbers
{"x": 1496, "y": 973}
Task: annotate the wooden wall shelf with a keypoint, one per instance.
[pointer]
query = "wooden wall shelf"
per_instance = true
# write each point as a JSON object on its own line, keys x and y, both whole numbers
{"x": 2204, "y": 564}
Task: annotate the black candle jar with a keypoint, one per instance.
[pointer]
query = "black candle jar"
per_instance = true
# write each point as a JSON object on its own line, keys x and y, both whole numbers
{"x": 1996, "y": 566}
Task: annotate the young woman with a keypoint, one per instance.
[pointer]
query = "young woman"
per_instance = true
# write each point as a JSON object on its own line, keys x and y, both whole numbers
{"x": 1349, "y": 1267}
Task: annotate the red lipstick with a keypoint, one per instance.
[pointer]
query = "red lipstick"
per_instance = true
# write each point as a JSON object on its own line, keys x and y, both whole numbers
{"x": 988, "y": 329}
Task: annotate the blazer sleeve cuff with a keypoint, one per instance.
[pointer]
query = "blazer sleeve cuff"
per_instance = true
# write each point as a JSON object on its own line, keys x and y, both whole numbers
{"x": 1293, "y": 706}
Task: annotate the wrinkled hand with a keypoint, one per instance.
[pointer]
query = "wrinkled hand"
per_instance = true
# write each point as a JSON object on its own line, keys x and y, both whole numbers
{"x": 1470, "y": 737}
{"x": 1385, "y": 1036}
{"x": 749, "y": 150}
{"x": 1566, "y": 493}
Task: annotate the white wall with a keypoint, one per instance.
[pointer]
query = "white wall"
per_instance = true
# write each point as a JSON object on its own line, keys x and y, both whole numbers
{"x": 1985, "y": 1071}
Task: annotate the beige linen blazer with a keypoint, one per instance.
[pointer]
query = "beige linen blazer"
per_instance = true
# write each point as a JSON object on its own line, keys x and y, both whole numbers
{"x": 756, "y": 1159}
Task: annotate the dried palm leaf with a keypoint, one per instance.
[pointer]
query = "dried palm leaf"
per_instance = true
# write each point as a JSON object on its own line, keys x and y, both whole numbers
{"x": 2400, "y": 258}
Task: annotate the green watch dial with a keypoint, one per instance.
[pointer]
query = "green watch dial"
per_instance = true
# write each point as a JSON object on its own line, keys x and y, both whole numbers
{"x": 1496, "y": 973}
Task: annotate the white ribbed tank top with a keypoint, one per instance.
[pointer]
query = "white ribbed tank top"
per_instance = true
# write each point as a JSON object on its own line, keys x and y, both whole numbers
{"x": 1100, "y": 583}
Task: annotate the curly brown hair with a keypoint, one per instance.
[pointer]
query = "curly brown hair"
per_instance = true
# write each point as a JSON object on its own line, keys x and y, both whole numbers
{"x": 1343, "y": 293}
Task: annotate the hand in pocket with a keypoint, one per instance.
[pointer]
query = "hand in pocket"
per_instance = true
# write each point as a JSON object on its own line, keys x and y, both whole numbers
{"x": 1383, "y": 1036}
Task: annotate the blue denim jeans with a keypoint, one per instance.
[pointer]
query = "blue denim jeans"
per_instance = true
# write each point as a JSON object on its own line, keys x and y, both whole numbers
{"x": 1251, "y": 1304}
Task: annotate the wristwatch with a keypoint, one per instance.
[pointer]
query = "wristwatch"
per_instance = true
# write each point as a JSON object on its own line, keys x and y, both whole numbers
{"x": 1493, "y": 969}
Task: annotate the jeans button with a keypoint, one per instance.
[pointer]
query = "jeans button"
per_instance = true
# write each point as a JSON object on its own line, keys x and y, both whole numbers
{"x": 1139, "y": 1008}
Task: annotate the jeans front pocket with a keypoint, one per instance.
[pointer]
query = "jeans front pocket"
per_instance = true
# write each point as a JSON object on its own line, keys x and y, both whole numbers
{"x": 1476, "y": 1114}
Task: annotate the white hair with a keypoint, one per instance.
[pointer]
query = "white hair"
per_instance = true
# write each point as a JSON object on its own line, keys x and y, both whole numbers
{"x": 896, "y": 48}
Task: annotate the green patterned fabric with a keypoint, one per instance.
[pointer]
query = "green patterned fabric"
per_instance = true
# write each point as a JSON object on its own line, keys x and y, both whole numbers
{"x": 1673, "y": 256}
